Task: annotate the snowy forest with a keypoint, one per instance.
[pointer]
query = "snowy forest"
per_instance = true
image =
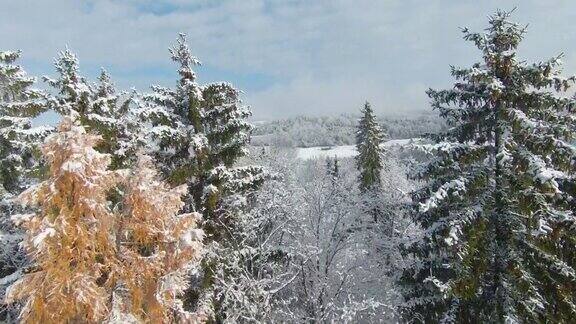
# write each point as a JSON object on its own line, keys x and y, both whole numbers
{"x": 176, "y": 205}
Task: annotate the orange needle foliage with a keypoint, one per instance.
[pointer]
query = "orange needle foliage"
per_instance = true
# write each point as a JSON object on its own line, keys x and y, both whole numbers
{"x": 92, "y": 264}
{"x": 158, "y": 247}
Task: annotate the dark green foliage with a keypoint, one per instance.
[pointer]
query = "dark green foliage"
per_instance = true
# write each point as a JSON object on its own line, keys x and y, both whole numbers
{"x": 498, "y": 210}
{"x": 98, "y": 106}
{"x": 19, "y": 159}
{"x": 369, "y": 139}
{"x": 19, "y": 104}
{"x": 198, "y": 135}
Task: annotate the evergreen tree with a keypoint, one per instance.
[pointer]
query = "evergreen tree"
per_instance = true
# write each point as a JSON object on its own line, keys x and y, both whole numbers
{"x": 93, "y": 263}
{"x": 498, "y": 209}
{"x": 74, "y": 91}
{"x": 19, "y": 156}
{"x": 198, "y": 134}
{"x": 112, "y": 116}
{"x": 369, "y": 138}
{"x": 19, "y": 104}
{"x": 101, "y": 109}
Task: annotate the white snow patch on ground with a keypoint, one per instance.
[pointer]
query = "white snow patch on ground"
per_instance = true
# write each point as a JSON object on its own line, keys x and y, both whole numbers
{"x": 344, "y": 151}
{"x": 316, "y": 152}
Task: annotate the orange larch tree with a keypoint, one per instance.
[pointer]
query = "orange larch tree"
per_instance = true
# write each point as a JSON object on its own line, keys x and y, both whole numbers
{"x": 158, "y": 247}
{"x": 95, "y": 260}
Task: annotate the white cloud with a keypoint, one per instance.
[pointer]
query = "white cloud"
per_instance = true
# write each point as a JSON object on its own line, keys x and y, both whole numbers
{"x": 328, "y": 97}
{"x": 325, "y": 56}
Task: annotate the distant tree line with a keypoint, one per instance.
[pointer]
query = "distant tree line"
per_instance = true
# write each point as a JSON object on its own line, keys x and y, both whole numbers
{"x": 306, "y": 131}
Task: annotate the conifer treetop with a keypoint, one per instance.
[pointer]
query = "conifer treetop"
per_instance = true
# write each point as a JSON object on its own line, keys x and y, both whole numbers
{"x": 105, "y": 84}
{"x": 17, "y": 98}
{"x": 19, "y": 104}
{"x": 100, "y": 107}
{"x": 181, "y": 54}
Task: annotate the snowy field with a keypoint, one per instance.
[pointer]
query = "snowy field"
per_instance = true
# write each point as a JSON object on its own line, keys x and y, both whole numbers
{"x": 343, "y": 151}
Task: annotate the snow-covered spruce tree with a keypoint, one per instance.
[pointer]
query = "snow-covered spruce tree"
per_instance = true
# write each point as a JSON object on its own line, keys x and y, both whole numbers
{"x": 101, "y": 108}
{"x": 498, "y": 210}
{"x": 113, "y": 117}
{"x": 92, "y": 263}
{"x": 369, "y": 138}
{"x": 199, "y": 132}
{"x": 248, "y": 277}
{"x": 19, "y": 156}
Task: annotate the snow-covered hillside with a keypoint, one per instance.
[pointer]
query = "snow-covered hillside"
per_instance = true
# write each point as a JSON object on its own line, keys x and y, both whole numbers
{"x": 342, "y": 151}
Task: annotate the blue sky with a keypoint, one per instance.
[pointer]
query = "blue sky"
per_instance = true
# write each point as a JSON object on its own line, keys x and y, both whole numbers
{"x": 290, "y": 57}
